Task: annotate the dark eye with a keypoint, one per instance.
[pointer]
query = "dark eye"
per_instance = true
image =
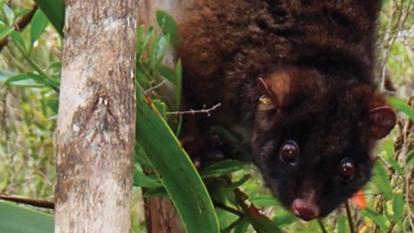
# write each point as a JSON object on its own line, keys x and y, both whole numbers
{"x": 289, "y": 152}
{"x": 346, "y": 169}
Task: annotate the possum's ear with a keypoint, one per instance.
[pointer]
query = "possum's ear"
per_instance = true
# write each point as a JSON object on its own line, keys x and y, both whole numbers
{"x": 288, "y": 86}
{"x": 383, "y": 120}
{"x": 279, "y": 87}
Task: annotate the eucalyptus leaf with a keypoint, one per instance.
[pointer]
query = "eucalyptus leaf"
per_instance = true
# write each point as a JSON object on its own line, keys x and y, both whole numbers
{"x": 5, "y": 31}
{"x": 55, "y": 11}
{"x": 397, "y": 207}
{"x": 376, "y": 217}
{"x": 341, "y": 225}
{"x": 53, "y": 104}
{"x": 410, "y": 159}
{"x": 381, "y": 180}
{"x": 9, "y": 13}
{"x": 145, "y": 181}
{"x": 19, "y": 40}
{"x": 179, "y": 176}
{"x": 39, "y": 23}
{"x": 402, "y": 106}
{"x": 168, "y": 25}
{"x": 167, "y": 73}
{"x": 17, "y": 219}
{"x": 222, "y": 168}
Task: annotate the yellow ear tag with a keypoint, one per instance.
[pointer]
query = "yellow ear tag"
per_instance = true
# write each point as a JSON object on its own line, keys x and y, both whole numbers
{"x": 265, "y": 103}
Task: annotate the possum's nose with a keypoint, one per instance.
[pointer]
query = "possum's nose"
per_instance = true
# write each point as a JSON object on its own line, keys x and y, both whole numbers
{"x": 305, "y": 209}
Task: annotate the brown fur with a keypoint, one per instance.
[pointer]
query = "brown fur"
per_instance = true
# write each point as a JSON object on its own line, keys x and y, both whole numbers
{"x": 314, "y": 60}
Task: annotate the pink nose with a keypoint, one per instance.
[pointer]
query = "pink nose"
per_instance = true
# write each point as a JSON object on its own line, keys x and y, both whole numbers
{"x": 305, "y": 209}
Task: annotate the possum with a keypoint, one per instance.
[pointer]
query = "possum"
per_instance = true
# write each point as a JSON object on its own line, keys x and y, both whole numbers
{"x": 299, "y": 76}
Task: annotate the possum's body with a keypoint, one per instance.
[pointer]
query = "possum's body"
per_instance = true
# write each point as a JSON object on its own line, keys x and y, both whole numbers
{"x": 295, "y": 73}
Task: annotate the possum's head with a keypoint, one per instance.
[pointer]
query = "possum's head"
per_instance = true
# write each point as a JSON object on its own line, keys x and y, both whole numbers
{"x": 313, "y": 137}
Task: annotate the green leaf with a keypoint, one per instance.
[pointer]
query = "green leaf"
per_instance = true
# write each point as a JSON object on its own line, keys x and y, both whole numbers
{"x": 285, "y": 219}
{"x": 376, "y": 217}
{"x": 410, "y": 159}
{"x": 396, "y": 166}
{"x": 222, "y": 168}
{"x": 53, "y": 104}
{"x": 381, "y": 180}
{"x": 397, "y": 207}
{"x": 16, "y": 219}
{"x": 158, "y": 192}
{"x": 264, "y": 200}
{"x": 36, "y": 78}
{"x": 55, "y": 12}
{"x": 21, "y": 82}
{"x": 158, "y": 50}
{"x": 142, "y": 180}
{"x": 5, "y": 74}
{"x": 341, "y": 225}
{"x": 179, "y": 83}
{"x": 178, "y": 174}
{"x": 19, "y": 40}
{"x": 241, "y": 226}
{"x": 240, "y": 182}
{"x": 161, "y": 107}
{"x": 261, "y": 223}
{"x": 5, "y": 31}
{"x": 8, "y": 12}
{"x": 39, "y": 24}
{"x": 402, "y": 106}
{"x": 167, "y": 73}
{"x": 168, "y": 25}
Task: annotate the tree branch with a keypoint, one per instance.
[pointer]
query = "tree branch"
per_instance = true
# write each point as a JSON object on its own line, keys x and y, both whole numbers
{"x": 28, "y": 201}
{"x": 19, "y": 25}
{"x": 204, "y": 110}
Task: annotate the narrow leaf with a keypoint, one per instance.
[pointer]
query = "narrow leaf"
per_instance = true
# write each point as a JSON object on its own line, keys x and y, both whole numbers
{"x": 381, "y": 180}
{"x": 8, "y": 12}
{"x": 167, "y": 73}
{"x": 142, "y": 180}
{"x": 376, "y": 217}
{"x": 39, "y": 24}
{"x": 16, "y": 219}
{"x": 402, "y": 106}
{"x": 5, "y": 31}
{"x": 168, "y": 25}
{"x": 222, "y": 168}
{"x": 179, "y": 176}
{"x": 397, "y": 207}
{"x": 55, "y": 11}
{"x": 341, "y": 225}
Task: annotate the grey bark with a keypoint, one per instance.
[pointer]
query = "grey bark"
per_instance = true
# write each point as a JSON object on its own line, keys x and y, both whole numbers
{"x": 96, "y": 120}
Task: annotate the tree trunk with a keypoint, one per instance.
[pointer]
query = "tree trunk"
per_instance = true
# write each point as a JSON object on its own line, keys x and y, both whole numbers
{"x": 96, "y": 121}
{"x": 160, "y": 213}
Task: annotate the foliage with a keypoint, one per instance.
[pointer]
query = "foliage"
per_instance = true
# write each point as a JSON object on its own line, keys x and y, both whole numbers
{"x": 17, "y": 219}
{"x": 29, "y": 81}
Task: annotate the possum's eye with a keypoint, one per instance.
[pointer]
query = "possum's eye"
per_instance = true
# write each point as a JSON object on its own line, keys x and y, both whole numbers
{"x": 289, "y": 152}
{"x": 265, "y": 103}
{"x": 346, "y": 170}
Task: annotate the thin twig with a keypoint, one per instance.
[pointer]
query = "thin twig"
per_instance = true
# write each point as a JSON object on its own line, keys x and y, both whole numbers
{"x": 20, "y": 24}
{"x": 323, "y": 229}
{"x": 28, "y": 201}
{"x": 155, "y": 87}
{"x": 194, "y": 112}
{"x": 349, "y": 215}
